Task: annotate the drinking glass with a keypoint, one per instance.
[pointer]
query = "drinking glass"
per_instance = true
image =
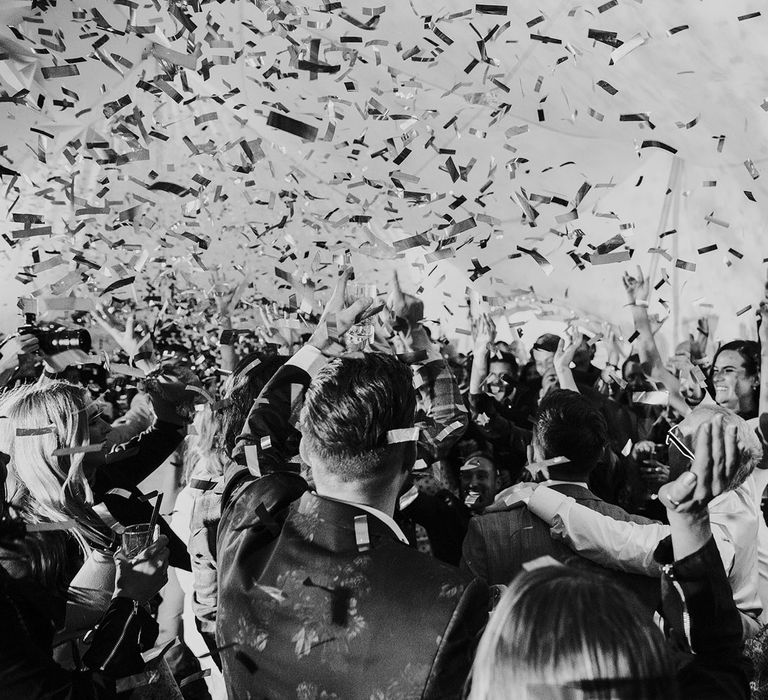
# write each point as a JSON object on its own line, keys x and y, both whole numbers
{"x": 360, "y": 336}
{"x": 137, "y": 538}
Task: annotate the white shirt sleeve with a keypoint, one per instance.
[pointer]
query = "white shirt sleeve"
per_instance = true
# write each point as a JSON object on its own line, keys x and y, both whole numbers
{"x": 615, "y": 544}
{"x": 310, "y": 359}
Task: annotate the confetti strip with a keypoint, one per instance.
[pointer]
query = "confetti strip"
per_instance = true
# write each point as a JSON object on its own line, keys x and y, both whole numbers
{"x": 408, "y": 497}
{"x": 651, "y": 398}
{"x": 252, "y": 459}
{"x": 362, "y": 536}
{"x": 541, "y": 563}
{"x": 395, "y": 437}
{"x": 80, "y": 449}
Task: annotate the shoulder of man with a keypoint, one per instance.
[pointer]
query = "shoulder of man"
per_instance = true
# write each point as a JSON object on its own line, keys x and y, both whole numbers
{"x": 255, "y": 501}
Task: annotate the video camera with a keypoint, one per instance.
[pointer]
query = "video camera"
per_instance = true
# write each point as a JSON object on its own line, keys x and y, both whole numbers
{"x": 57, "y": 340}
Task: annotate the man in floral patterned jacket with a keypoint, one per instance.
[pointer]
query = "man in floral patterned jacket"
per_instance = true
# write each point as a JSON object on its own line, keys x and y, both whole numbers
{"x": 320, "y": 595}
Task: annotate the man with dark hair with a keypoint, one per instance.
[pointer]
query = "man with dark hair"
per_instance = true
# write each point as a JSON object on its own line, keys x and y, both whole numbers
{"x": 507, "y": 536}
{"x": 320, "y": 594}
{"x": 493, "y": 399}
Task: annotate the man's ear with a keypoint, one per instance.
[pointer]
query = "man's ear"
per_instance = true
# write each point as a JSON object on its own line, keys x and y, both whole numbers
{"x": 409, "y": 456}
{"x": 305, "y": 453}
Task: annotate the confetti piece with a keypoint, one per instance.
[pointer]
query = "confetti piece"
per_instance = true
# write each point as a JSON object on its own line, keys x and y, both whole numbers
{"x": 362, "y": 536}
{"x": 491, "y": 9}
{"x": 203, "y": 484}
{"x": 719, "y": 222}
{"x": 651, "y": 398}
{"x": 252, "y": 459}
{"x": 401, "y": 435}
{"x": 80, "y": 449}
{"x": 658, "y": 144}
{"x": 29, "y": 432}
{"x": 197, "y": 676}
{"x": 51, "y": 72}
{"x": 610, "y": 258}
{"x": 751, "y": 169}
{"x": 622, "y": 51}
{"x": 67, "y": 524}
{"x": 744, "y": 310}
{"x": 607, "y": 87}
{"x": 541, "y": 563}
{"x": 292, "y": 126}
{"x": 542, "y": 466}
{"x": 408, "y": 497}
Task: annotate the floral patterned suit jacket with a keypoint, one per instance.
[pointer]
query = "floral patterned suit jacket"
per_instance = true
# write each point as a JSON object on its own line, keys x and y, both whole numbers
{"x": 319, "y": 599}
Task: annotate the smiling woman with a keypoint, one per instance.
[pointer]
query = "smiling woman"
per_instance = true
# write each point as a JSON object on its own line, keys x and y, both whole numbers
{"x": 736, "y": 377}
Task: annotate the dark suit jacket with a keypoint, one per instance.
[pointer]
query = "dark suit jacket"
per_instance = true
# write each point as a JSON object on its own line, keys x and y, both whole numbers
{"x": 306, "y": 611}
{"x": 499, "y": 543}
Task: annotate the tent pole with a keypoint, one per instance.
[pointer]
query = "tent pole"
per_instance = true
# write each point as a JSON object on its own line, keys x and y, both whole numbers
{"x": 675, "y": 247}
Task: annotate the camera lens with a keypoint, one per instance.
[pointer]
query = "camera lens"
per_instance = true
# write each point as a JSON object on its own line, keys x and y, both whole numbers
{"x": 59, "y": 341}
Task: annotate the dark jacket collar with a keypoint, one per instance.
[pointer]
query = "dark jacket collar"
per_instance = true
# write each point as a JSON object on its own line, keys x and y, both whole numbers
{"x": 575, "y": 491}
{"x": 331, "y": 524}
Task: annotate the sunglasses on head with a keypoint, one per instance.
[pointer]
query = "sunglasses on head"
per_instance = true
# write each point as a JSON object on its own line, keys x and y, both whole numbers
{"x": 674, "y": 439}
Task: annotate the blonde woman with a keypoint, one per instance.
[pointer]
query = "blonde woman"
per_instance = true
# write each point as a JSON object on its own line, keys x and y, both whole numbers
{"x": 46, "y": 432}
{"x": 561, "y": 633}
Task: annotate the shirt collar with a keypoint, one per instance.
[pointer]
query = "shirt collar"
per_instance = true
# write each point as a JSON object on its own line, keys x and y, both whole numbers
{"x": 376, "y": 513}
{"x": 555, "y": 482}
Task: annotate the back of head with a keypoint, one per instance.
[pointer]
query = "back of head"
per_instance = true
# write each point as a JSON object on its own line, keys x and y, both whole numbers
{"x": 562, "y": 633}
{"x": 349, "y": 408}
{"x": 569, "y": 425}
{"x": 241, "y": 389}
{"x": 547, "y": 342}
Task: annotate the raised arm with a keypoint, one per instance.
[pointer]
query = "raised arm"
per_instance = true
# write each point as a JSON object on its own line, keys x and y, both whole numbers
{"x": 699, "y": 611}
{"x": 443, "y": 417}
{"x": 262, "y": 444}
{"x": 566, "y": 351}
{"x": 638, "y": 290}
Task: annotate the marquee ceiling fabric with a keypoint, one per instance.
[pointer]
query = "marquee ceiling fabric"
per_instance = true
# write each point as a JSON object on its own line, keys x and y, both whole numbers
{"x": 495, "y": 147}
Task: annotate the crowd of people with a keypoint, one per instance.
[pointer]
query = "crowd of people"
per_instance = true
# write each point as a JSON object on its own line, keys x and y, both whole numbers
{"x": 349, "y": 507}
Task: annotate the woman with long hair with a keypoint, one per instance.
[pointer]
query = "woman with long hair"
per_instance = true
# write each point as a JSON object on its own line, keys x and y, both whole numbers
{"x": 207, "y": 461}
{"x": 47, "y": 432}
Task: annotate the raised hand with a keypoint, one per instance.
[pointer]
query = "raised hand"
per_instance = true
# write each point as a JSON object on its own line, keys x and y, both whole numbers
{"x": 128, "y": 339}
{"x": 637, "y": 288}
{"x": 717, "y": 458}
{"x": 485, "y": 333}
{"x": 567, "y": 348}
{"x": 408, "y": 310}
{"x": 337, "y": 319}
{"x": 227, "y": 295}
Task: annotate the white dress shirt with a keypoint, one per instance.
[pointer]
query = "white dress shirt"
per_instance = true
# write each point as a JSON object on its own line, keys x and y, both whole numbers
{"x": 627, "y": 546}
